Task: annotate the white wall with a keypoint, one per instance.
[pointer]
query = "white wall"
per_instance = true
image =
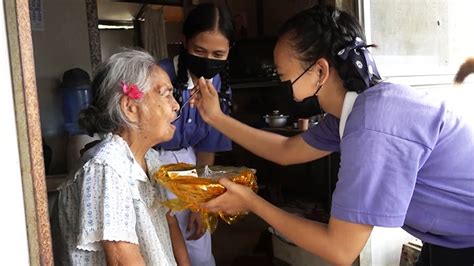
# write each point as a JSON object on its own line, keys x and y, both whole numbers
{"x": 384, "y": 247}
{"x": 112, "y": 40}
{"x": 14, "y": 245}
{"x": 62, "y": 45}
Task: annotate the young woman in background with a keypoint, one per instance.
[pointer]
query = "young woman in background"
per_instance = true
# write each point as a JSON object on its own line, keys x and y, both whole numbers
{"x": 209, "y": 34}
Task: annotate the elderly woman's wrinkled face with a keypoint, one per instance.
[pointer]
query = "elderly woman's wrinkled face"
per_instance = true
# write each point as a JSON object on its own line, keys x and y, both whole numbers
{"x": 159, "y": 108}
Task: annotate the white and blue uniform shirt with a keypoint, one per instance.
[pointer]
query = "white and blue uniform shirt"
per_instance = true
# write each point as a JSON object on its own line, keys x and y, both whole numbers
{"x": 191, "y": 129}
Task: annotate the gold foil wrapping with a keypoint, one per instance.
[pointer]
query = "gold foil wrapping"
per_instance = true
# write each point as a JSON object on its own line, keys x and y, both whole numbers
{"x": 191, "y": 190}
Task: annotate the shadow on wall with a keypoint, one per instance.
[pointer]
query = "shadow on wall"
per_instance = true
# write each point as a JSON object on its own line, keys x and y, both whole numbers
{"x": 52, "y": 122}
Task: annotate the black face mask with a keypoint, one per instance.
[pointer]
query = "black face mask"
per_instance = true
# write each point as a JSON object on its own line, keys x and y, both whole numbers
{"x": 204, "y": 67}
{"x": 309, "y": 106}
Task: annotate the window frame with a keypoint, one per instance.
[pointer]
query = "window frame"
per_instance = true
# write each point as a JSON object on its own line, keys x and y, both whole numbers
{"x": 440, "y": 79}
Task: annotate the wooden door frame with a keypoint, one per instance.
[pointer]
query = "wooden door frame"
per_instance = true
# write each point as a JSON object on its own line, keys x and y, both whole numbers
{"x": 29, "y": 131}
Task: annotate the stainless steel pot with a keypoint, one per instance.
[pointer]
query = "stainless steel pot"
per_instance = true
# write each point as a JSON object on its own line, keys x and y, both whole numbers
{"x": 276, "y": 119}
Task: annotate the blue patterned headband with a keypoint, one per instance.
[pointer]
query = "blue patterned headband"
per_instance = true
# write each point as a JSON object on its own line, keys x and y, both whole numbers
{"x": 361, "y": 58}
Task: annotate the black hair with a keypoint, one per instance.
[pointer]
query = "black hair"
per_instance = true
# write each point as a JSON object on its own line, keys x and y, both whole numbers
{"x": 205, "y": 17}
{"x": 322, "y": 31}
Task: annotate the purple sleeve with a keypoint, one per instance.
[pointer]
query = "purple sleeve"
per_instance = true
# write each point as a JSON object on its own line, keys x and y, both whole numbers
{"x": 376, "y": 178}
{"x": 325, "y": 135}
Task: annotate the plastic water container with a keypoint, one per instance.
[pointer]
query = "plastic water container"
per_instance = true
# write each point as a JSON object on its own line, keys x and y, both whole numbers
{"x": 74, "y": 100}
{"x": 77, "y": 95}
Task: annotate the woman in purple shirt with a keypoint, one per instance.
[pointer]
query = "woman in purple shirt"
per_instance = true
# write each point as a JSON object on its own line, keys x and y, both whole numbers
{"x": 209, "y": 34}
{"x": 407, "y": 160}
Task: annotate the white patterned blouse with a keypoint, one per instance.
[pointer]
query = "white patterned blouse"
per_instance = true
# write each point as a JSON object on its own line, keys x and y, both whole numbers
{"x": 111, "y": 198}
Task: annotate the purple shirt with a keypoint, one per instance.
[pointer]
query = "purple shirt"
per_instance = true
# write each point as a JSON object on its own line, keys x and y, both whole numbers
{"x": 191, "y": 130}
{"x": 406, "y": 160}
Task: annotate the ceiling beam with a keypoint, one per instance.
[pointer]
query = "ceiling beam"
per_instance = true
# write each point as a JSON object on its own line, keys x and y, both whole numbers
{"x": 155, "y": 2}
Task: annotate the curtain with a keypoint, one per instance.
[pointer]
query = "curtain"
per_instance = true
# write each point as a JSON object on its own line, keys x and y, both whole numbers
{"x": 154, "y": 34}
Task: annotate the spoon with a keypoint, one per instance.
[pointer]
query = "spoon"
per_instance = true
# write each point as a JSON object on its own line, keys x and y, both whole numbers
{"x": 185, "y": 103}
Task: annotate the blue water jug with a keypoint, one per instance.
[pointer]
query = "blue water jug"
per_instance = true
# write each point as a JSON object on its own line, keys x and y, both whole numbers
{"x": 77, "y": 95}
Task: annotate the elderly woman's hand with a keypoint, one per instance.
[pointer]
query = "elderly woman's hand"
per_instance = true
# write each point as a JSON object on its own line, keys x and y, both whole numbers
{"x": 237, "y": 199}
{"x": 207, "y": 101}
{"x": 195, "y": 226}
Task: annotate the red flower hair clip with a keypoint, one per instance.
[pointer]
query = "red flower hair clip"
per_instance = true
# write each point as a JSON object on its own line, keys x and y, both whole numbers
{"x": 131, "y": 91}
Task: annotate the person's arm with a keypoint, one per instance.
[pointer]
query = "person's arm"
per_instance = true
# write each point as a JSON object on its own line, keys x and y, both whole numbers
{"x": 177, "y": 241}
{"x": 339, "y": 242}
{"x": 122, "y": 253}
{"x": 273, "y": 147}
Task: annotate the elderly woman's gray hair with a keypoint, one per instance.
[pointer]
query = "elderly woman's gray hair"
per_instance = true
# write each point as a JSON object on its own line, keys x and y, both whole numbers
{"x": 130, "y": 67}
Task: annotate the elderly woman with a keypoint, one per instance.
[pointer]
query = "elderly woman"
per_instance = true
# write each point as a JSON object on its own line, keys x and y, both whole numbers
{"x": 109, "y": 209}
